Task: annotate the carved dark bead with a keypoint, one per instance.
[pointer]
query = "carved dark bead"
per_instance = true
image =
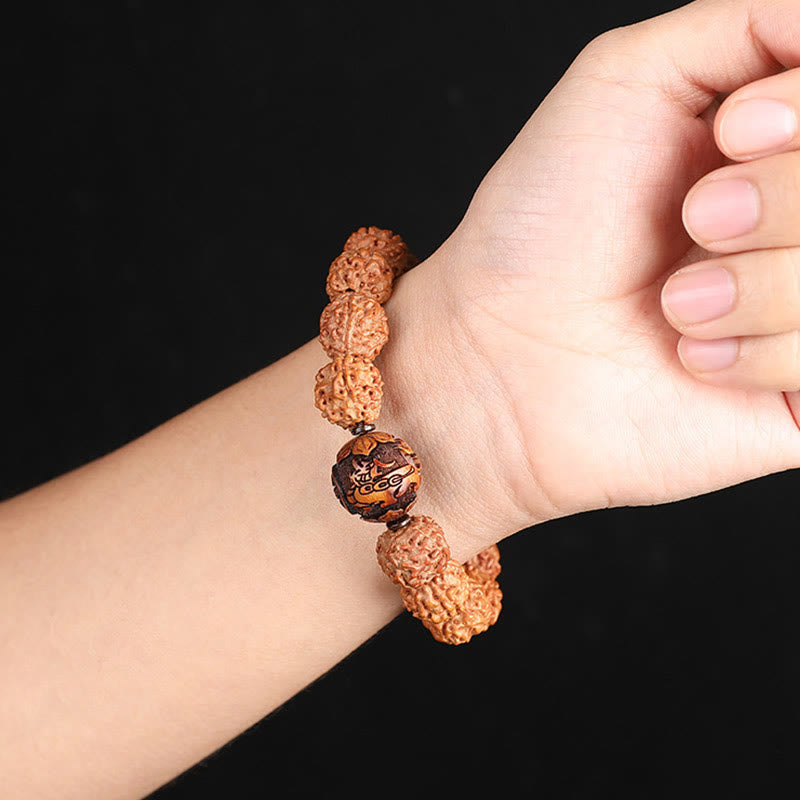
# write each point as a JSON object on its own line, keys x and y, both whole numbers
{"x": 376, "y": 476}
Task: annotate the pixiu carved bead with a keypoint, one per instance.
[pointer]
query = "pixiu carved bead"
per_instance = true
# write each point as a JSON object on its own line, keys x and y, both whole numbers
{"x": 376, "y": 476}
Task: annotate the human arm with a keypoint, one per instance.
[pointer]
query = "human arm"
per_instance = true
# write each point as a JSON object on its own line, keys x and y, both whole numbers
{"x": 163, "y": 598}
{"x": 572, "y": 403}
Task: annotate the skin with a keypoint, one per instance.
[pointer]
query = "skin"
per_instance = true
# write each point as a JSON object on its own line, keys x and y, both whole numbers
{"x": 188, "y": 583}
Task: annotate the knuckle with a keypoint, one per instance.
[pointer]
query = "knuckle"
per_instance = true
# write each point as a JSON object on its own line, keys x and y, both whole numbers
{"x": 603, "y": 55}
{"x": 784, "y": 373}
{"x": 792, "y": 177}
{"x": 792, "y": 383}
{"x": 611, "y": 40}
{"x": 780, "y": 181}
{"x": 628, "y": 41}
{"x": 787, "y": 284}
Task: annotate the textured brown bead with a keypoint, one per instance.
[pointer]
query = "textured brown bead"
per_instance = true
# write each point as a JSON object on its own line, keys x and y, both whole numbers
{"x": 495, "y": 597}
{"x": 452, "y": 606}
{"x": 485, "y": 566}
{"x": 377, "y": 476}
{"x": 347, "y": 390}
{"x": 390, "y": 245}
{"x": 362, "y": 270}
{"x": 353, "y": 324}
{"x": 415, "y": 554}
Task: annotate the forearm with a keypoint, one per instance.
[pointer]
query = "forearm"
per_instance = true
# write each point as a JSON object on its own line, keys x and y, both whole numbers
{"x": 162, "y": 599}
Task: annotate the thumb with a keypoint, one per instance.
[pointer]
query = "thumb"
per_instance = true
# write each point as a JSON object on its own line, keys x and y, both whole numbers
{"x": 691, "y": 54}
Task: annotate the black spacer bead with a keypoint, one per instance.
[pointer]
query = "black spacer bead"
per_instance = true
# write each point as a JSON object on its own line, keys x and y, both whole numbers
{"x": 362, "y": 427}
{"x": 398, "y": 523}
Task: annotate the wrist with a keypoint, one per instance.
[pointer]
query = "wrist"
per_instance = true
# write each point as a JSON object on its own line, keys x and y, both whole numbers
{"x": 442, "y": 400}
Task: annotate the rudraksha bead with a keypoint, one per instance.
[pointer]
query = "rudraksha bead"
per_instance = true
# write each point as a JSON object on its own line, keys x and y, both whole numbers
{"x": 376, "y": 476}
{"x": 485, "y": 566}
{"x": 390, "y": 245}
{"x": 349, "y": 390}
{"x": 362, "y": 270}
{"x": 452, "y": 606}
{"x": 495, "y": 597}
{"x": 415, "y": 554}
{"x": 353, "y": 324}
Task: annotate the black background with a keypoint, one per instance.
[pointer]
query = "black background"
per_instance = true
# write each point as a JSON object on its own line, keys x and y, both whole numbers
{"x": 178, "y": 179}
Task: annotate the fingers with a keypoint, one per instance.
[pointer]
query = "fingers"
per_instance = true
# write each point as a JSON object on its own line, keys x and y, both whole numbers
{"x": 740, "y": 319}
{"x": 747, "y": 294}
{"x": 746, "y": 206}
{"x": 760, "y": 118}
{"x": 739, "y": 313}
{"x": 752, "y": 362}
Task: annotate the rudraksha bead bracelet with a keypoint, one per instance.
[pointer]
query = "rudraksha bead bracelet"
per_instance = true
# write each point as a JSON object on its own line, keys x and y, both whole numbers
{"x": 377, "y": 475}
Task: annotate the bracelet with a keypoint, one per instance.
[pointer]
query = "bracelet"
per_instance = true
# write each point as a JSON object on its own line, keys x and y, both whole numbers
{"x": 377, "y": 475}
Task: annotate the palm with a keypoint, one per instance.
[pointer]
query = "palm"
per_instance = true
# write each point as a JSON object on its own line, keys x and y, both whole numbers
{"x": 576, "y": 228}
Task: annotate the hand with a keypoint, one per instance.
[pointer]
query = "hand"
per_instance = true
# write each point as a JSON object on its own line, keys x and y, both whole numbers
{"x": 543, "y": 311}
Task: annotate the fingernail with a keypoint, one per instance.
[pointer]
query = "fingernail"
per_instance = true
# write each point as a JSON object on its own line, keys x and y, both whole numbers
{"x": 757, "y": 126}
{"x": 698, "y": 295}
{"x": 722, "y": 210}
{"x": 707, "y": 355}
